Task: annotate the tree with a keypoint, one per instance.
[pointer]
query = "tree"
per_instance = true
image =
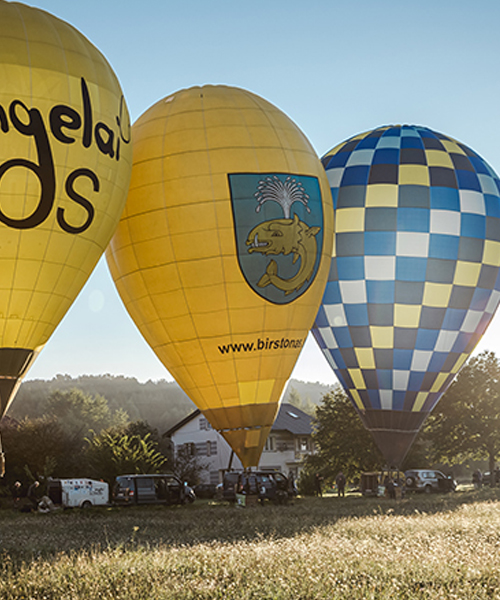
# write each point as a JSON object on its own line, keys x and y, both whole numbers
{"x": 466, "y": 422}
{"x": 295, "y": 399}
{"x": 187, "y": 466}
{"x": 54, "y": 444}
{"x": 78, "y": 412}
{"x": 342, "y": 442}
{"x": 113, "y": 453}
{"x": 309, "y": 407}
{"x": 42, "y": 447}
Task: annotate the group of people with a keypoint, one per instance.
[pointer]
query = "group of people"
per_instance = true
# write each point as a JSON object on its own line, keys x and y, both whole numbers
{"x": 33, "y": 499}
{"x": 340, "y": 482}
{"x": 32, "y": 495}
{"x": 478, "y": 479}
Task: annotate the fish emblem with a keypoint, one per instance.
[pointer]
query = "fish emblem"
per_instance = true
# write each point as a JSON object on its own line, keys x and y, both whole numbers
{"x": 285, "y": 236}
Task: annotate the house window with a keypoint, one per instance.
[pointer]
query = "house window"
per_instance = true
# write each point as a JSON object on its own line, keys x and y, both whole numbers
{"x": 204, "y": 424}
{"x": 269, "y": 446}
{"x": 190, "y": 449}
{"x": 303, "y": 445}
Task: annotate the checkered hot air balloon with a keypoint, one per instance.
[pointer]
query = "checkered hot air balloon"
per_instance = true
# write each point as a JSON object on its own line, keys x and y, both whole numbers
{"x": 413, "y": 282}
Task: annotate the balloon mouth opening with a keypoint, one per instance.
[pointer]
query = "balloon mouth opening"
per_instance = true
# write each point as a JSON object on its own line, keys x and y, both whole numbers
{"x": 393, "y": 432}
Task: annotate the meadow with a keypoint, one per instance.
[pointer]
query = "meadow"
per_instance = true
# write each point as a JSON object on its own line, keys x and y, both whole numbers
{"x": 433, "y": 547}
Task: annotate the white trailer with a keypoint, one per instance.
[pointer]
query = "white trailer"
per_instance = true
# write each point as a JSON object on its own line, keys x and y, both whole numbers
{"x": 82, "y": 493}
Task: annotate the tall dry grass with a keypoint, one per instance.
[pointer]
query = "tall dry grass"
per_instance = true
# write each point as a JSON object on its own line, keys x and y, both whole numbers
{"x": 439, "y": 547}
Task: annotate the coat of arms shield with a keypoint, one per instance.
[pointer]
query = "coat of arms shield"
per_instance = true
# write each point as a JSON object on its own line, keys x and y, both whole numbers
{"x": 278, "y": 224}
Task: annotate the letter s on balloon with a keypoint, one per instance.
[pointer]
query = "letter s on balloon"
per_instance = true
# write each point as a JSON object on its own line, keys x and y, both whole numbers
{"x": 74, "y": 195}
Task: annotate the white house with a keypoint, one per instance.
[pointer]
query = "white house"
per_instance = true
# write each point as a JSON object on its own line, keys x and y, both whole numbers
{"x": 287, "y": 444}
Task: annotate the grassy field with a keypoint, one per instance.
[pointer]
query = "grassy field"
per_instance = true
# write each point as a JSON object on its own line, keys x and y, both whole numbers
{"x": 442, "y": 546}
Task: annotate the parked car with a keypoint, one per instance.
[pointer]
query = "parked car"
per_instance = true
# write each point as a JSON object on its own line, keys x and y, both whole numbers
{"x": 265, "y": 485}
{"x": 486, "y": 478}
{"x": 428, "y": 480}
{"x": 83, "y": 493}
{"x": 205, "y": 490}
{"x": 164, "y": 488}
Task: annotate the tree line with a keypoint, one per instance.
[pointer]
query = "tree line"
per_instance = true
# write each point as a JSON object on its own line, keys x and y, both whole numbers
{"x": 64, "y": 431}
{"x": 162, "y": 403}
{"x": 103, "y": 426}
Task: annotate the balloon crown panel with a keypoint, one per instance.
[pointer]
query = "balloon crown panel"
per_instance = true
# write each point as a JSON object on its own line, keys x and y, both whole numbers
{"x": 413, "y": 282}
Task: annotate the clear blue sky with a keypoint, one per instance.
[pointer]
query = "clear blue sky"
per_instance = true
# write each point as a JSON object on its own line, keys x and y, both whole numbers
{"x": 336, "y": 68}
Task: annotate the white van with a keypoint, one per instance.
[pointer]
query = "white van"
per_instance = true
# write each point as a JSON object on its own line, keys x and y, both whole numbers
{"x": 82, "y": 493}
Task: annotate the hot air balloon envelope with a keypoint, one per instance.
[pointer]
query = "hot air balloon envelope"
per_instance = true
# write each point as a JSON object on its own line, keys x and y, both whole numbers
{"x": 223, "y": 250}
{"x": 65, "y": 161}
{"x": 414, "y": 281}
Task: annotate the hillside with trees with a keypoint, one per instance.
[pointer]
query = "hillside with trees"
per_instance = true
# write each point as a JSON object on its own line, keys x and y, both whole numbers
{"x": 161, "y": 404}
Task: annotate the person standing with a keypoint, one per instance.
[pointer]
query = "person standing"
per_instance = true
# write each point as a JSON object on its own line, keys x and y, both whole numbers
{"x": 317, "y": 483}
{"x": 292, "y": 488}
{"x": 340, "y": 481}
{"x": 16, "y": 494}
{"x": 390, "y": 489}
{"x": 33, "y": 493}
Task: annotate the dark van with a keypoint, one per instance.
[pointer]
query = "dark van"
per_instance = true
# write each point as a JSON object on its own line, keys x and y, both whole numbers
{"x": 164, "y": 488}
{"x": 265, "y": 485}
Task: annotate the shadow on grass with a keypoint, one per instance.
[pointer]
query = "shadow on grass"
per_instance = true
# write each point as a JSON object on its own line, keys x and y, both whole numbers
{"x": 25, "y": 536}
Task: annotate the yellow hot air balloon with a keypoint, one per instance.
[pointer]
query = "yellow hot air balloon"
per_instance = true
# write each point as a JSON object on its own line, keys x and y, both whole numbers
{"x": 65, "y": 161}
{"x": 223, "y": 250}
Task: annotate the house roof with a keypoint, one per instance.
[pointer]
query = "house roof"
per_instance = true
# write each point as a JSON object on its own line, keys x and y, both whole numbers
{"x": 181, "y": 423}
{"x": 290, "y": 418}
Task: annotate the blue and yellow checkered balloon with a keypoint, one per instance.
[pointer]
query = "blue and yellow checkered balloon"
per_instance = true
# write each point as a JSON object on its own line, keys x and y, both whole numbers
{"x": 414, "y": 278}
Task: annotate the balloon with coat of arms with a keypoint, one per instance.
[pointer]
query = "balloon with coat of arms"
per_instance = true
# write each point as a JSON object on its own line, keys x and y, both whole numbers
{"x": 223, "y": 250}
